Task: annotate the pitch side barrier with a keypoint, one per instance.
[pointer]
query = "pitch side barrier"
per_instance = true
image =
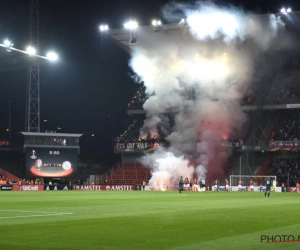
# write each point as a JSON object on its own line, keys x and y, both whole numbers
{"x": 47, "y": 187}
{"x": 294, "y": 190}
{"x": 105, "y": 187}
{"x": 247, "y": 189}
{"x": 29, "y": 187}
{"x": 16, "y": 187}
{"x": 222, "y": 189}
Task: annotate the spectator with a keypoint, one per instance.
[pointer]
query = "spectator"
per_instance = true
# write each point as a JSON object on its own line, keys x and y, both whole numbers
{"x": 286, "y": 170}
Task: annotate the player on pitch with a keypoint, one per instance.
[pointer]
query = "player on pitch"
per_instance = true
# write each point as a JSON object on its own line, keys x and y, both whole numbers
{"x": 274, "y": 185}
{"x": 240, "y": 183}
{"x": 216, "y": 182}
{"x": 180, "y": 185}
{"x": 226, "y": 185}
{"x": 251, "y": 183}
{"x": 268, "y": 186}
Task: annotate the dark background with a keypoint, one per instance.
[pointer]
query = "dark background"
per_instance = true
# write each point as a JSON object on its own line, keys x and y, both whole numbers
{"x": 88, "y": 89}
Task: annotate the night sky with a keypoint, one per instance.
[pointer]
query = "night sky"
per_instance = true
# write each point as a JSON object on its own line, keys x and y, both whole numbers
{"x": 88, "y": 89}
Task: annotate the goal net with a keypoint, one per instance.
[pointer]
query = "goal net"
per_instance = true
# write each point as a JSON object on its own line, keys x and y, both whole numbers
{"x": 258, "y": 185}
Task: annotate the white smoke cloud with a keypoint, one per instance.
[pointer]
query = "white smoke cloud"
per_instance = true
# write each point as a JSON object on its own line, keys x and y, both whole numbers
{"x": 211, "y": 21}
{"x": 166, "y": 167}
{"x": 201, "y": 72}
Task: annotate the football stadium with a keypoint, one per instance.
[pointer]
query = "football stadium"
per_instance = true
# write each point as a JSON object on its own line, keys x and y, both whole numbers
{"x": 209, "y": 160}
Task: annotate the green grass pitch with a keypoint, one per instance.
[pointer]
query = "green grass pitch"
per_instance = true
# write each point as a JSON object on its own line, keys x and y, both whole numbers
{"x": 146, "y": 220}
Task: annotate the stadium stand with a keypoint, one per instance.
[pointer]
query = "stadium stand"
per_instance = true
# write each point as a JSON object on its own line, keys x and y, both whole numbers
{"x": 280, "y": 124}
{"x": 8, "y": 177}
{"x": 11, "y": 162}
{"x": 280, "y": 86}
{"x": 287, "y": 170}
{"x": 287, "y": 128}
{"x": 138, "y": 99}
{"x": 126, "y": 174}
{"x": 132, "y": 133}
{"x": 294, "y": 85}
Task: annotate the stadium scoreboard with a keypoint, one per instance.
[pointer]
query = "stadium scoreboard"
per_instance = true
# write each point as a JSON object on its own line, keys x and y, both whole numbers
{"x": 51, "y": 154}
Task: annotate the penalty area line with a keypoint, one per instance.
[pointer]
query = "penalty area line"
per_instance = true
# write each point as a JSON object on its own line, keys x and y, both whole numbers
{"x": 26, "y": 211}
{"x": 35, "y": 215}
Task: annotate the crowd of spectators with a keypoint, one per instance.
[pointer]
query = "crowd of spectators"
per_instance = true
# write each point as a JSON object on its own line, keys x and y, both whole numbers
{"x": 287, "y": 170}
{"x": 235, "y": 143}
{"x": 133, "y": 134}
{"x": 4, "y": 143}
{"x": 3, "y": 175}
{"x": 5, "y": 180}
{"x": 294, "y": 83}
{"x": 294, "y": 91}
{"x": 139, "y": 98}
{"x": 287, "y": 128}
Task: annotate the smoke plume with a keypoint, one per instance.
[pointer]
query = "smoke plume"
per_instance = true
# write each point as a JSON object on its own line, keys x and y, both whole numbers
{"x": 198, "y": 70}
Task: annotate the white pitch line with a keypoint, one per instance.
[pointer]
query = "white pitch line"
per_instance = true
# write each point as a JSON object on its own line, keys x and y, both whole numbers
{"x": 34, "y": 215}
{"x": 26, "y": 211}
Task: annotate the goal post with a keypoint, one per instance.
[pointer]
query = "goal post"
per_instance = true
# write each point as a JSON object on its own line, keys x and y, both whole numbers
{"x": 257, "y": 179}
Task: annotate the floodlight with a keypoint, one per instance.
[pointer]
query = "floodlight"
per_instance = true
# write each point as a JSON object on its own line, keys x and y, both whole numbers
{"x": 103, "y": 27}
{"x": 52, "y": 56}
{"x": 131, "y": 25}
{"x": 156, "y": 22}
{"x": 8, "y": 43}
{"x": 30, "y": 50}
{"x": 285, "y": 11}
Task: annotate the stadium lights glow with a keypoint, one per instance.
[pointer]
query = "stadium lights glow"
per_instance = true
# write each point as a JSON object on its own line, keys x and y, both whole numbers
{"x": 285, "y": 11}
{"x": 30, "y": 50}
{"x": 156, "y": 22}
{"x": 52, "y": 56}
{"x": 182, "y": 21}
{"x": 8, "y": 43}
{"x": 131, "y": 25}
{"x": 103, "y": 27}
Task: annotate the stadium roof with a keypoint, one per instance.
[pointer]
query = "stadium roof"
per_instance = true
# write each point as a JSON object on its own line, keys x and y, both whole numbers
{"x": 50, "y": 134}
{"x": 12, "y": 59}
{"x": 128, "y": 39}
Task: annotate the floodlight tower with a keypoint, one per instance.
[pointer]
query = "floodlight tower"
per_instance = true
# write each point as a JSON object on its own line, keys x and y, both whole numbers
{"x": 32, "y": 114}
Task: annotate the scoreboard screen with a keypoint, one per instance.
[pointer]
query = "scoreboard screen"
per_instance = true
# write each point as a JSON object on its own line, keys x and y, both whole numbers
{"x": 51, "y": 162}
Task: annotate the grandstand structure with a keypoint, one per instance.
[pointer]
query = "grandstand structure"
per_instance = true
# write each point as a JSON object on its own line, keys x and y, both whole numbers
{"x": 277, "y": 95}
